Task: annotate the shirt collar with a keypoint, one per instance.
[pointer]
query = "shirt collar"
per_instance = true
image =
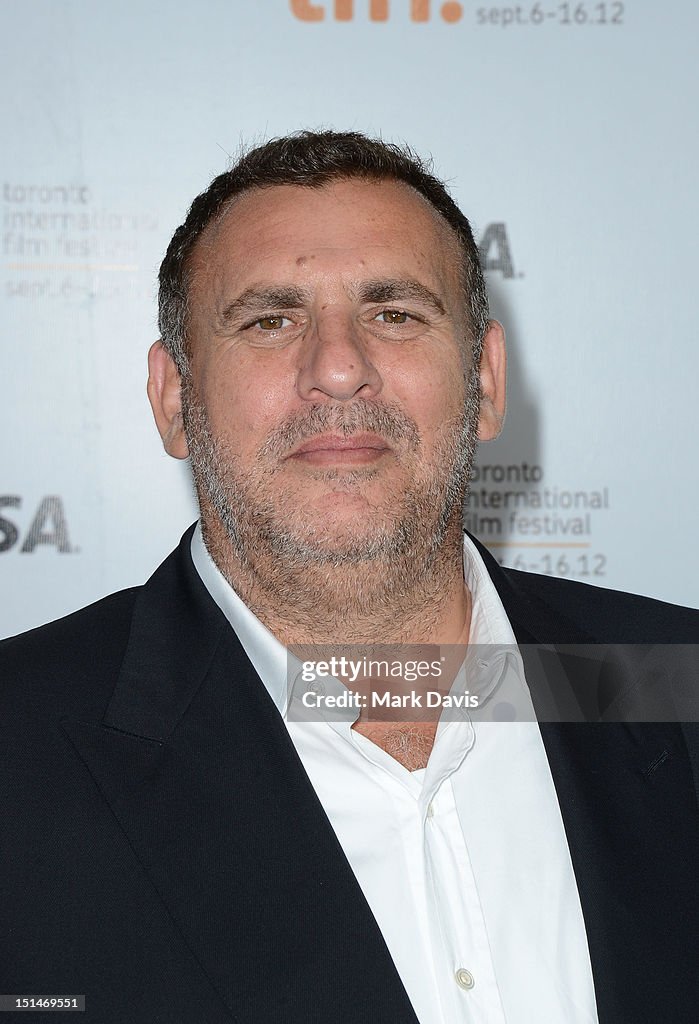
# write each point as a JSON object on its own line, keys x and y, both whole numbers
{"x": 490, "y": 626}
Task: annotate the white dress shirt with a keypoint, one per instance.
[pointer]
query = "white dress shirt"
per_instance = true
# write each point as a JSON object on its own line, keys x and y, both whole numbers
{"x": 465, "y": 863}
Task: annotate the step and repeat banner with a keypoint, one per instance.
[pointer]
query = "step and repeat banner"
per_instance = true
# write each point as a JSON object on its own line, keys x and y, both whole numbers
{"x": 566, "y": 132}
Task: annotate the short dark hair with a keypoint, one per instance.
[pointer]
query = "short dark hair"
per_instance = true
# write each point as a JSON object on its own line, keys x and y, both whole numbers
{"x": 310, "y": 159}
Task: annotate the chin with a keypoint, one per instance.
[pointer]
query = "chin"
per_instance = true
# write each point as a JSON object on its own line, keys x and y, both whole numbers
{"x": 336, "y": 544}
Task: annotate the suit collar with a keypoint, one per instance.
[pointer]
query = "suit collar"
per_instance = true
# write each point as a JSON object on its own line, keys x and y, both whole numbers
{"x": 175, "y": 633}
{"x": 177, "y": 630}
{"x": 533, "y": 621}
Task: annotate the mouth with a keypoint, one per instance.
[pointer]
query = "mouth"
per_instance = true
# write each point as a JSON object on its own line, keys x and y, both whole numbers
{"x": 334, "y": 449}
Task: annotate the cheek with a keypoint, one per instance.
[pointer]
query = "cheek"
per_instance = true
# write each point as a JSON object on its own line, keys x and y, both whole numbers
{"x": 243, "y": 406}
{"x": 432, "y": 393}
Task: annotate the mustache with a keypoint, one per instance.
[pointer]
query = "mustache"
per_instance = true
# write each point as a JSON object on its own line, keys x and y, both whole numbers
{"x": 388, "y": 421}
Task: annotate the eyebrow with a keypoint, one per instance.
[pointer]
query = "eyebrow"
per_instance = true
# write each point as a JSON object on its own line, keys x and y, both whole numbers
{"x": 254, "y": 300}
{"x": 396, "y": 289}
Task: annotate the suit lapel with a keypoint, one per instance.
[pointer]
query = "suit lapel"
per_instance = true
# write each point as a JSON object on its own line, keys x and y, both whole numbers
{"x": 198, "y": 769}
{"x": 628, "y": 804}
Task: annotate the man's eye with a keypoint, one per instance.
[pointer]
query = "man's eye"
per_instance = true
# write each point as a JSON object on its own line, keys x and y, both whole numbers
{"x": 394, "y": 316}
{"x": 272, "y": 323}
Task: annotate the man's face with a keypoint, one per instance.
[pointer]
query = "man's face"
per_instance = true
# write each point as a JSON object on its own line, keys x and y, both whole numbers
{"x": 332, "y": 407}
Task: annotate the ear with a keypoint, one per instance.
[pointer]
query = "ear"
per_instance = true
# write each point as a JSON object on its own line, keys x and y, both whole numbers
{"x": 492, "y": 368}
{"x": 164, "y": 394}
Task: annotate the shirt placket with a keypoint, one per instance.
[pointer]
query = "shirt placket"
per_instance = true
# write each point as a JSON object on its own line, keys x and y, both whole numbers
{"x": 465, "y": 969}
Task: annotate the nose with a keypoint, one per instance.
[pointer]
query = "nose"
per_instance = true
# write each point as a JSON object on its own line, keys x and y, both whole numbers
{"x": 336, "y": 363}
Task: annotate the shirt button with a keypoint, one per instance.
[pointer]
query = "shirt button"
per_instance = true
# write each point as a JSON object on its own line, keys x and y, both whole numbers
{"x": 464, "y": 978}
{"x": 430, "y": 810}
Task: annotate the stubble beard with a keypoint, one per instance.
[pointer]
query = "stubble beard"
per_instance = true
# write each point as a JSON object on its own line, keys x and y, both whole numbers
{"x": 282, "y": 563}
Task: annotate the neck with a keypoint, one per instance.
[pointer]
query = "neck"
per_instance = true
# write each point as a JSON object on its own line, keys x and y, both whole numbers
{"x": 419, "y": 598}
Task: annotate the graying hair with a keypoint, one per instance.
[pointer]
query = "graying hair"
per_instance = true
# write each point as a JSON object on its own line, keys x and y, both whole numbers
{"x": 310, "y": 159}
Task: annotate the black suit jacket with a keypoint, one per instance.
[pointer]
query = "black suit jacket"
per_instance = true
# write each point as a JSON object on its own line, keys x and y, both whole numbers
{"x": 164, "y": 853}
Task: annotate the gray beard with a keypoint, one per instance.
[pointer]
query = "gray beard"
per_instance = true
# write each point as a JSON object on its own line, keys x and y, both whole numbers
{"x": 306, "y": 566}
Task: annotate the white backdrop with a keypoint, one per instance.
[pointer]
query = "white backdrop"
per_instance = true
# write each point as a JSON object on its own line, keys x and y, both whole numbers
{"x": 567, "y": 134}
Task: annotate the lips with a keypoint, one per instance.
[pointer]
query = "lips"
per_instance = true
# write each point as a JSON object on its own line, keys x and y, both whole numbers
{"x": 339, "y": 447}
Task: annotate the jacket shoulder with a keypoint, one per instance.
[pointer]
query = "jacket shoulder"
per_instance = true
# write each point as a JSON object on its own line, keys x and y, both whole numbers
{"x": 64, "y": 660}
{"x": 610, "y": 616}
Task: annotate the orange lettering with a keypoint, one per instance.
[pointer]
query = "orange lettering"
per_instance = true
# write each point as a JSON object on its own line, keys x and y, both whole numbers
{"x": 306, "y": 11}
{"x": 452, "y": 12}
{"x": 420, "y": 10}
{"x": 378, "y": 10}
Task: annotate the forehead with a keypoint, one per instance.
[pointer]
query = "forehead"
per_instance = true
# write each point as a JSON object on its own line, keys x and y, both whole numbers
{"x": 346, "y": 227}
